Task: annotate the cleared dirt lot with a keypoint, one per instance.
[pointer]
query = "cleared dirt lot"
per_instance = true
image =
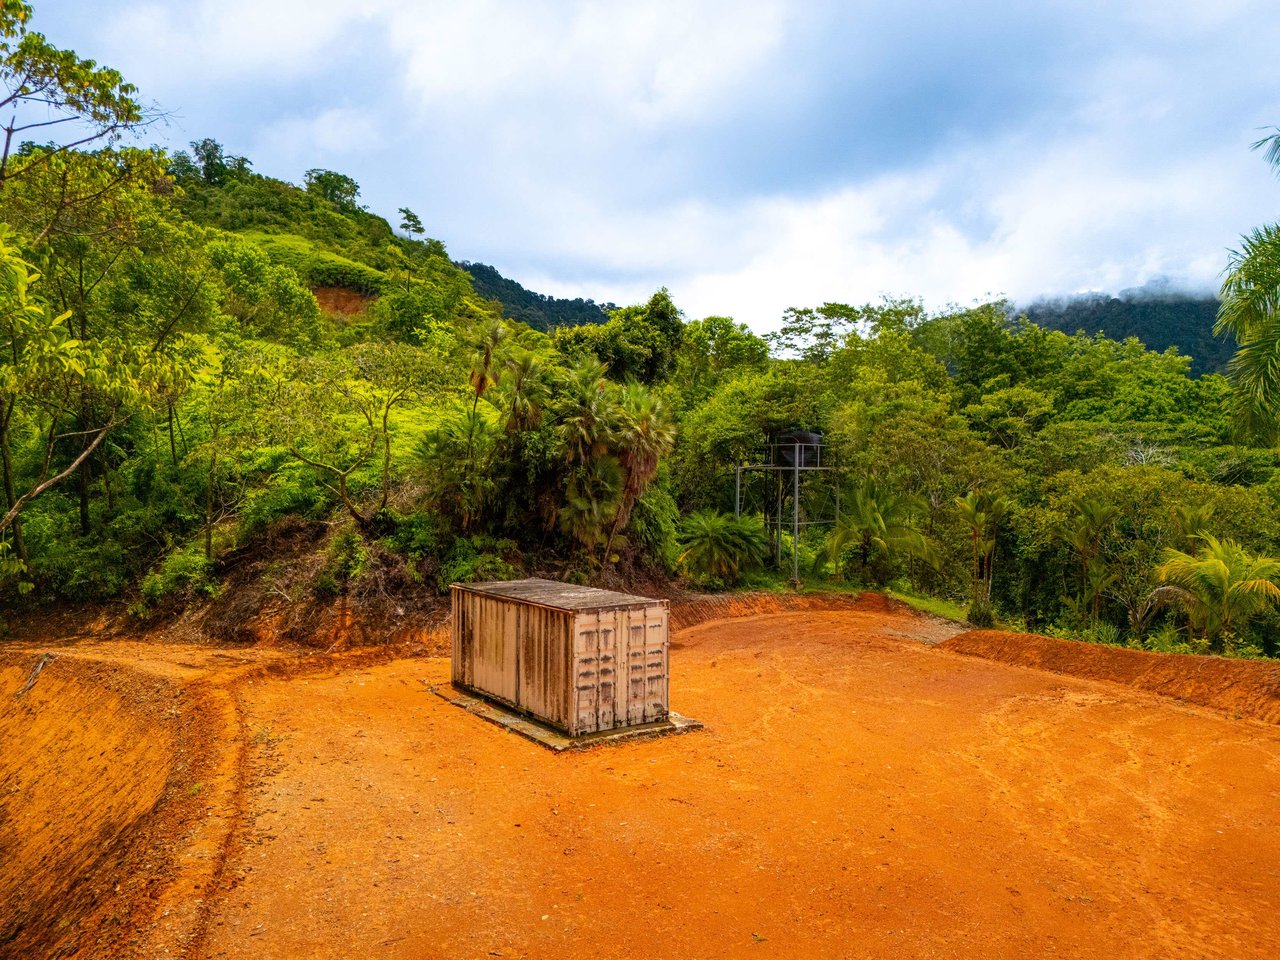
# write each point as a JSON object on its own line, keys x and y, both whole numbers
{"x": 856, "y": 793}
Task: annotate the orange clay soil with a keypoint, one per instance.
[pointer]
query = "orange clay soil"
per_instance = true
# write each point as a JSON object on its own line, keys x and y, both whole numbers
{"x": 1242, "y": 688}
{"x": 856, "y": 793}
{"x": 341, "y": 300}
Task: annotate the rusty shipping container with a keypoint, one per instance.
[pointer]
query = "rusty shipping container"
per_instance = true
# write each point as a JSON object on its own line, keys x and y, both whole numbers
{"x": 580, "y": 659}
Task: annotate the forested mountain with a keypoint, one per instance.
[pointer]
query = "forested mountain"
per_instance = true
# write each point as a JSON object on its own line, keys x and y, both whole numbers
{"x": 537, "y": 310}
{"x": 1159, "y": 320}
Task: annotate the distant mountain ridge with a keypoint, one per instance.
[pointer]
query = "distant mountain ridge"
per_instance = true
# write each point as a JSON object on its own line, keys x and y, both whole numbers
{"x": 1160, "y": 319}
{"x": 538, "y": 310}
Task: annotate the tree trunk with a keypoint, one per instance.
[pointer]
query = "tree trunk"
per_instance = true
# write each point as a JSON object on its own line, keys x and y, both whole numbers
{"x": 173, "y": 446}
{"x": 10, "y": 493}
{"x": 82, "y": 481}
{"x": 208, "y": 508}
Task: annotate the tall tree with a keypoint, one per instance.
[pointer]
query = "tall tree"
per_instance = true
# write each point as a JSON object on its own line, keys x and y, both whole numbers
{"x": 334, "y": 413}
{"x": 48, "y": 89}
{"x": 337, "y": 188}
{"x": 644, "y": 435}
{"x": 982, "y": 514}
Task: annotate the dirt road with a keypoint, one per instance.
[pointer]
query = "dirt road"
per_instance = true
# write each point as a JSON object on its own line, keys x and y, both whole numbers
{"x": 855, "y": 794}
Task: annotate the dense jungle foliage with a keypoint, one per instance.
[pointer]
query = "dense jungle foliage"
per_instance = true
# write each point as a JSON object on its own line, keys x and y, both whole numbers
{"x": 174, "y": 403}
{"x": 534, "y": 309}
{"x": 1160, "y": 319}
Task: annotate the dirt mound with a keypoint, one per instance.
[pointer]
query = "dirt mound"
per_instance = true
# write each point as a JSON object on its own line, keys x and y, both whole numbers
{"x": 693, "y": 610}
{"x": 1243, "y": 688}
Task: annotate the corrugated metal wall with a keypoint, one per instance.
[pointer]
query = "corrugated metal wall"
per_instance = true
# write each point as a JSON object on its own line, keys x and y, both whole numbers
{"x": 580, "y": 672}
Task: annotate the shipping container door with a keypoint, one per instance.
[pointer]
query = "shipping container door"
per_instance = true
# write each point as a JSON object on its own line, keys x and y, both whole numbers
{"x": 636, "y": 648}
{"x": 596, "y": 680}
{"x": 647, "y": 665}
{"x": 463, "y": 649}
{"x": 657, "y": 656}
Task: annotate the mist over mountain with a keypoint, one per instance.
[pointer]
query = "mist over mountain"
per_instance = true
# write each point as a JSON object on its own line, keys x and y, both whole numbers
{"x": 1158, "y": 314}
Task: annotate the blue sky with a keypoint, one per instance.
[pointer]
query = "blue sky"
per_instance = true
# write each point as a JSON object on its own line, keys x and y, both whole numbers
{"x": 749, "y": 155}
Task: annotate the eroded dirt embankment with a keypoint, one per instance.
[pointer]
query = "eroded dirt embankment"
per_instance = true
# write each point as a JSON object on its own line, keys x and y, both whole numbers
{"x": 121, "y": 781}
{"x": 101, "y": 770}
{"x": 1242, "y": 688}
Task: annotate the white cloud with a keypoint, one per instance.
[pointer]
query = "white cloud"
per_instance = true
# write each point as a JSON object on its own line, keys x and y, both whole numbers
{"x": 220, "y": 41}
{"x": 1075, "y": 217}
{"x": 642, "y": 63}
{"x": 320, "y": 138}
{"x": 602, "y": 149}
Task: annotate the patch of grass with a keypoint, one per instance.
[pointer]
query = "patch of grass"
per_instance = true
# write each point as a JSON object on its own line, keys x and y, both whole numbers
{"x": 938, "y": 607}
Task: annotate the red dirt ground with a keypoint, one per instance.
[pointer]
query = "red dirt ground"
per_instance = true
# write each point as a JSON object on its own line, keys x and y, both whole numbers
{"x": 1241, "y": 688}
{"x": 341, "y": 300}
{"x": 855, "y": 794}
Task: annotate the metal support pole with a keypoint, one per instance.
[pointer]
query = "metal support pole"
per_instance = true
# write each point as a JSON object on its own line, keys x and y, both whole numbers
{"x": 777, "y": 524}
{"x": 836, "y": 473}
{"x": 737, "y": 492}
{"x": 795, "y": 522}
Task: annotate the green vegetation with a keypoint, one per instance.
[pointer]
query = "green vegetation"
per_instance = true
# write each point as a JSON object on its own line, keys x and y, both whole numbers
{"x": 177, "y": 407}
{"x": 1159, "y": 318}
{"x": 534, "y": 309}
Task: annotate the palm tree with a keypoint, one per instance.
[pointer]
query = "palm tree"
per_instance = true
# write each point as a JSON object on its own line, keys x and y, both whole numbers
{"x": 1083, "y": 532}
{"x": 526, "y": 391}
{"x": 591, "y": 500}
{"x": 644, "y": 434}
{"x": 586, "y": 412}
{"x": 981, "y": 513}
{"x": 1190, "y": 521}
{"x": 1250, "y": 312}
{"x": 720, "y": 545}
{"x": 878, "y": 522}
{"x": 484, "y": 367}
{"x": 1221, "y": 587}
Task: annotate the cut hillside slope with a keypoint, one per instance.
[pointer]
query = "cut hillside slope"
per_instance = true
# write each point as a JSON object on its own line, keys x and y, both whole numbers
{"x": 107, "y": 788}
{"x": 1242, "y": 688}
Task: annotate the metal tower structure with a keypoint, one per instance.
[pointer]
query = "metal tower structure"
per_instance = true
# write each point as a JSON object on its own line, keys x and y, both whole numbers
{"x": 797, "y": 472}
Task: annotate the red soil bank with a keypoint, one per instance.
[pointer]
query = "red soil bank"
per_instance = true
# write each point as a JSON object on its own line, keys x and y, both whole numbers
{"x": 1243, "y": 688}
{"x": 341, "y": 300}
{"x": 91, "y": 755}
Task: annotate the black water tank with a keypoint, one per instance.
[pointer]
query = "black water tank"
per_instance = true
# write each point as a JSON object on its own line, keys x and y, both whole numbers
{"x": 787, "y": 452}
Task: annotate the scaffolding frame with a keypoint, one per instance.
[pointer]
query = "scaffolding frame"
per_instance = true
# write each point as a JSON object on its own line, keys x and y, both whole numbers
{"x": 806, "y": 461}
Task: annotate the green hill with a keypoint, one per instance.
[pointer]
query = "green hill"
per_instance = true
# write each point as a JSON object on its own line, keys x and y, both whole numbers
{"x": 319, "y": 231}
{"x": 537, "y": 310}
{"x": 1159, "y": 320}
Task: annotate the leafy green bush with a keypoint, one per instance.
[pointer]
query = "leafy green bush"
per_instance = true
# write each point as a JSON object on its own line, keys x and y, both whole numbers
{"x": 654, "y": 524}
{"x": 981, "y": 614}
{"x": 718, "y": 547}
{"x": 417, "y": 537}
{"x": 476, "y": 559}
{"x": 184, "y": 572}
{"x": 347, "y": 562}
